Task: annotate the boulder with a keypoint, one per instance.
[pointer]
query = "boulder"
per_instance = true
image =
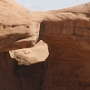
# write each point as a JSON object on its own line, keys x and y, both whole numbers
{"x": 28, "y": 56}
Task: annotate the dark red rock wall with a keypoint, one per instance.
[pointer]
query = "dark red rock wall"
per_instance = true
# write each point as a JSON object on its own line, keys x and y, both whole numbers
{"x": 55, "y": 73}
{"x": 8, "y": 78}
{"x": 66, "y": 68}
{"x": 14, "y": 77}
{"x": 68, "y": 65}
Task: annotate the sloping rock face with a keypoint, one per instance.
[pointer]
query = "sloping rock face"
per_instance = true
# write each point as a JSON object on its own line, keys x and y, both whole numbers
{"x": 19, "y": 28}
{"x": 67, "y": 33}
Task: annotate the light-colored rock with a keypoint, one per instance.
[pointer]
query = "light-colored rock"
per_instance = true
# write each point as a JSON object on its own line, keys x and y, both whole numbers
{"x": 33, "y": 55}
{"x": 19, "y": 28}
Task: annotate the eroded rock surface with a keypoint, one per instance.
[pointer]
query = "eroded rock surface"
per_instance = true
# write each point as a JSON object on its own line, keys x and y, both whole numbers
{"x": 19, "y": 28}
{"x": 28, "y": 56}
{"x": 15, "y": 77}
{"x": 67, "y": 33}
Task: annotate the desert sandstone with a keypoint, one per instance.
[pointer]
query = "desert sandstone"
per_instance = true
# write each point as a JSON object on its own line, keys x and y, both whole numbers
{"x": 64, "y": 33}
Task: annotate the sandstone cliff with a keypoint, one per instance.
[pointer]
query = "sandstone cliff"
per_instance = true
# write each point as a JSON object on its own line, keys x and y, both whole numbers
{"x": 19, "y": 28}
{"x": 67, "y": 33}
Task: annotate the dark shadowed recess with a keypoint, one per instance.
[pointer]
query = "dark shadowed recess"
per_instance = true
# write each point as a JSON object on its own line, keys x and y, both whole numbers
{"x": 14, "y": 77}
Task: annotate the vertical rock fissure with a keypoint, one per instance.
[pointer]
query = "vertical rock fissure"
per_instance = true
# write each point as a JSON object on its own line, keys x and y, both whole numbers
{"x": 41, "y": 31}
{"x": 42, "y": 74}
{"x": 20, "y": 82}
{"x": 5, "y": 57}
{"x": 17, "y": 74}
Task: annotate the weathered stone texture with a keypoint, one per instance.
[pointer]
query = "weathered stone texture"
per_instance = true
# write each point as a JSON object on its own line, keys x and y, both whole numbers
{"x": 67, "y": 33}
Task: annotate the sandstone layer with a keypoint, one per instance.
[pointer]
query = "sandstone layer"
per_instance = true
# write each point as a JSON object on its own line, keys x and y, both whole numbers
{"x": 19, "y": 28}
{"x": 67, "y": 33}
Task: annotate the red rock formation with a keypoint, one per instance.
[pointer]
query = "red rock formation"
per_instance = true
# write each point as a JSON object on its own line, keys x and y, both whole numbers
{"x": 67, "y": 34}
{"x": 19, "y": 28}
{"x": 14, "y": 77}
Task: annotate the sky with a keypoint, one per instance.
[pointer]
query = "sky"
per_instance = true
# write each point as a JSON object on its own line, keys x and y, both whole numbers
{"x": 45, "y": 5}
